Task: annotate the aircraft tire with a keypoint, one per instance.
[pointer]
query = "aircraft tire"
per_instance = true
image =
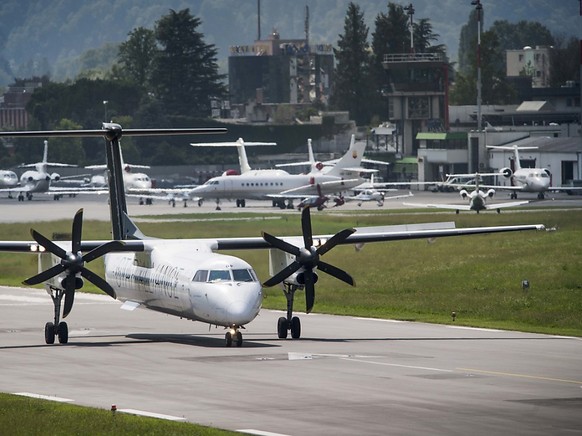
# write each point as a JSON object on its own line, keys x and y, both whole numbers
{"x": 228, "y": 339}
{"x": 49, "y": 333}
{"x": 282, "y": 327}
{"x": 295, "y": 327}
{"x": 63, "y": 332}
{"x": 239, "y": 339}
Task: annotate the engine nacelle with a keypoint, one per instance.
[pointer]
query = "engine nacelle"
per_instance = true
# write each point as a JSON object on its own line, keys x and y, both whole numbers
{"x": 490, "y": 193}
{"x": 55, "y": 177}
{"x": 507, "y": 173}
{"x": 547, "y": 171}
{"x": 463, "y": 193}
{"x": 300, "y": 278}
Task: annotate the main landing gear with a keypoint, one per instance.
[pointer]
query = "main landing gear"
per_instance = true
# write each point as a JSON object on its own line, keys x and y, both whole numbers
{"x": 233, "y": 335}
{"x": 56, "y": 328}
{"x": 290, "y": 323}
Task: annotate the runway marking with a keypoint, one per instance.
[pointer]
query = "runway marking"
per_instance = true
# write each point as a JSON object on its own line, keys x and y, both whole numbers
{"x": 426, "y": 368}
{"x": 19, "y": 300}
{"x": 480, "y": 329}
{"x": 532, "y": 377}
{"x": 152, "y": 414}
{"x": 260, "y": 432}
{"x": 379, "y": 320}
{"x": 44, "y": 397}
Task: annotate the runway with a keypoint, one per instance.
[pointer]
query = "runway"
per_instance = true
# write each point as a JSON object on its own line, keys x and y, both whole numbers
{"x": 345, "y": 376}
{"x": 44, "y": 208}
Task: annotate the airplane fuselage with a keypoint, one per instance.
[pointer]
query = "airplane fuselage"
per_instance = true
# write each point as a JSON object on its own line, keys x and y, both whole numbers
{"x": 35, "y": 181}
{"x": 8, "y": 179}
{"x": 190, "y": 282}
{"x": 531, "y": 179}
{"x": 250, "y": 185}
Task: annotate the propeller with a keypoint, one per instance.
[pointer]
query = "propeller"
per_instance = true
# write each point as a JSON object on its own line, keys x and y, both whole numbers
{"x": 73, "y": 263}
{"x": 308, "y": 258}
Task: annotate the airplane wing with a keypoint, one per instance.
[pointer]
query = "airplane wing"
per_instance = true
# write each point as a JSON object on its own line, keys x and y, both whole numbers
{"x": 440, "y": 206}
{"x": 309, "y": 189}
{"x": 494, "y": 206}
{"x": 374, "y": 234}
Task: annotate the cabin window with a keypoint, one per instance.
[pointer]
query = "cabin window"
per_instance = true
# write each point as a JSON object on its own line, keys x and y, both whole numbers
{"x": 200, "y": 276}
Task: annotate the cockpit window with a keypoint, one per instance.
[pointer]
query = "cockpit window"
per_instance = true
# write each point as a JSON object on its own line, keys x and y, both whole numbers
{"x": 243, "y": 275}
{"x": 219, "y": 275}
{"x": 200, "y": 276}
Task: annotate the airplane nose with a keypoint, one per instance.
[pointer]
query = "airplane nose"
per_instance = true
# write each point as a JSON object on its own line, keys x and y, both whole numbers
{"x": 241, "y": 312}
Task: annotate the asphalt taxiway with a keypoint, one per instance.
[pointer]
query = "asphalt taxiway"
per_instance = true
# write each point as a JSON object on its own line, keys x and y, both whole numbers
{"x": 345, "y": 376}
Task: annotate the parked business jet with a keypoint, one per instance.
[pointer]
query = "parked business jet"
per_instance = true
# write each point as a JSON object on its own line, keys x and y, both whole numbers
{"x": 477, "y": 198}
{"x": 8, "y": 181}
{"x": 38, "y": 180}
{"x": 527, "y": 179}
{"x": 278, "y": 185}
{"x": 187, "y": 277}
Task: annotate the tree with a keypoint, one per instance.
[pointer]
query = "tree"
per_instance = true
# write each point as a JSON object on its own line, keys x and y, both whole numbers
{"x": 352, "y": 88}
{"x": 136, "y": 57}
{"x": 185, "y": 71}
{"x": 565, "y": 61}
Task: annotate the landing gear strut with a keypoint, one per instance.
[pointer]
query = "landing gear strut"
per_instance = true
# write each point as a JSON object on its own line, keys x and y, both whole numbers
{"x": 57, "y": 328}
{"x": 289, "y": 323}
{"x": 233, "y": 334}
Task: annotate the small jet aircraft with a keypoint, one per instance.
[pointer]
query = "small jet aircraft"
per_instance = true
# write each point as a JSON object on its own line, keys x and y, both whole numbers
{"x": 527, "y": 179}
{"x": 278, "y": 185}
{"x": 477, "y": 198}
{"x": 38, "y": 180}
{"x": 187, "y": 277}
{"x": 8, "y": 181}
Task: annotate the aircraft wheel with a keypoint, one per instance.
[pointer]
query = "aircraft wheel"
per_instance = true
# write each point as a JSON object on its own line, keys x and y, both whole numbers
{"x": 228, "y": 339}
{"x": 49, "y": 333}
{"x": 282, "y": 327}
{"x": 239, "y": 339}
{"x": 295, "y": 327}
{"x": 63, "y": 333}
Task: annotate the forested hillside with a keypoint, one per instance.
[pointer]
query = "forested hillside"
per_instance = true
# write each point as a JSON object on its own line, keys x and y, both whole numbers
{"x": 55, "y": 36}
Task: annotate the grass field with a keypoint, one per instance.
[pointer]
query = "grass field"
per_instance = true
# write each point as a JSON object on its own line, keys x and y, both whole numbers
{"x": 478, "y": 277}
{"x": 29, "y": 416}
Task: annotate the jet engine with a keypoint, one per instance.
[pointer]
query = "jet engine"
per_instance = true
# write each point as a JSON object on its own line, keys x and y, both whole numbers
{"x": 463, "y": 193}
{"x": 547, "y": 171}
{"x": 507, "y": 173}
{"x": 490, "y": 193}
{"x": 55, "y": 177}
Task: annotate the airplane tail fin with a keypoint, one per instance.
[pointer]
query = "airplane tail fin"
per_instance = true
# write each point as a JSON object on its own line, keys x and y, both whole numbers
{"x": 515, "y": 148}
{"x": 242, "y": 156}
{"x": 350, "y": 161}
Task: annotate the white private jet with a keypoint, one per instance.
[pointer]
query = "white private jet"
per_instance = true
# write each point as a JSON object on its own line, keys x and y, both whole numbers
{"x": 8, "y": 181}
{"x": 187, "y": 277}
{"x": 527, "y": 179}
{"x": 278, "y": 185}
{"x": 38, "y": 180}
{"x": 477, "y": 197}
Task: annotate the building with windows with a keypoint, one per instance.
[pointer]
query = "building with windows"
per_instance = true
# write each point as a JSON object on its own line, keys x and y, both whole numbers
{"x": 280, "y": 71}
{"x": 530, "y": 62}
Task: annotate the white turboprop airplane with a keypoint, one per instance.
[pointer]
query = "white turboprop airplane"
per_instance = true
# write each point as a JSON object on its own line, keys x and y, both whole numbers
{"x": 38, "y": 180}
{"x": 477, "y": 198}
{"x": 278, "y": 185}
{"x": 527, "y": 179}
{"x": 187, "y": 277}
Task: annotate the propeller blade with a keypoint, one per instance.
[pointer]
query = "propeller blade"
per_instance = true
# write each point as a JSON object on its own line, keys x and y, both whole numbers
{"x": 45, "y": 275}
{"x": 48, "y": 244}
{"x": 99, "y": 282}
{"x": 309, "y": 290}
{"x": 76, "y": 231}
{"x": 280, "y": 244}
{"x": 334, "y": 240}
{"x": 283, "y": 274}
{"x": 306, "y": 227}
{"x": 102, "y": 249}
{"x": 69, "y": 294}
{"x": 336, "y": 272}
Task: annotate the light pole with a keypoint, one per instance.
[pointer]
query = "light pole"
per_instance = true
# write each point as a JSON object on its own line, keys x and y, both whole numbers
{"x": 410, "y": 12}
{"x": 479, "y": 8}
{"x": 105, "y": 110}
